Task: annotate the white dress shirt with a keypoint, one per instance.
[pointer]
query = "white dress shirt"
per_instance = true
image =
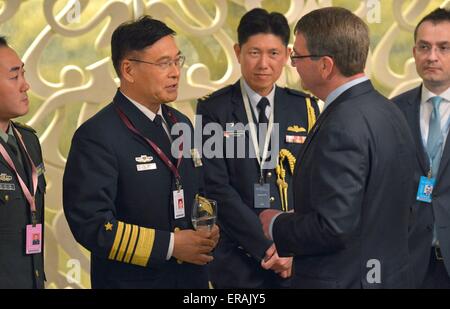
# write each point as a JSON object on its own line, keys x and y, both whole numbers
{"x": 426, "y": 108}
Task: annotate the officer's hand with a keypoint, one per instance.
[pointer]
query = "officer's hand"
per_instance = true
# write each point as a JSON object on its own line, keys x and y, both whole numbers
{"x": 193, "y": 246}
{"x": 266, "y": 217}
{"x": 280, "y": 265}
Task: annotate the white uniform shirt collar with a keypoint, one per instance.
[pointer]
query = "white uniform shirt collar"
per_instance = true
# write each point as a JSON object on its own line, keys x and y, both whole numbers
{"x": 254, "y": 98}
{"x": 151, "y": 115}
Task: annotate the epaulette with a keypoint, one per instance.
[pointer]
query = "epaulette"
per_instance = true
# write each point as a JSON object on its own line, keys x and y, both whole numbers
{"x": 24, "y": 126}
{"x": 297, "y": 92}
{"x": 216, "y": 93}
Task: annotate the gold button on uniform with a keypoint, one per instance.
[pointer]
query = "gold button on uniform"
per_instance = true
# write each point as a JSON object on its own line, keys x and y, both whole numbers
{"x": 272, "y": 199}
{"x": 269, "y": 174}
{"x": 6, "y": 198}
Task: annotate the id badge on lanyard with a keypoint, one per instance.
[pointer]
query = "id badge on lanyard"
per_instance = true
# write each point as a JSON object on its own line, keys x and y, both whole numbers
{"x": 33, "y": 231}
{"x": 178, "y": 193}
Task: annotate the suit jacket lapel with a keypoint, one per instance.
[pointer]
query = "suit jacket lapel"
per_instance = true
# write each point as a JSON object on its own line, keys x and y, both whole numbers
{"x": 238, "y": 105}
{"x": 413, "y": 118}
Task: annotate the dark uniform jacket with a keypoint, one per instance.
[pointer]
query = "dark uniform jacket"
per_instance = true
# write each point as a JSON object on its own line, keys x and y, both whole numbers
{"x": 123, "y": 216}
{"x": 231, "y": 181}
{"x": 425, "y": 216}
{"x": 17, "y": 269}
{"x": 352, "y": 195}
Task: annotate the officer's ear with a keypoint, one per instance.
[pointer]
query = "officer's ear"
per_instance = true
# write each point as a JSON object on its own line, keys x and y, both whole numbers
{"x": 237, "y": 52}
{"x": 327, "y": 67}
{"x": 126, "y": 70}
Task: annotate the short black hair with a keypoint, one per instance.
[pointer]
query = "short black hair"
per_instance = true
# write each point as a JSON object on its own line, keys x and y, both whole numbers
{"x": 437, "y": 16}
{"x": 258, "y": 21}
{"x": 136, "y": 36}
{"x": 3, "y": 42}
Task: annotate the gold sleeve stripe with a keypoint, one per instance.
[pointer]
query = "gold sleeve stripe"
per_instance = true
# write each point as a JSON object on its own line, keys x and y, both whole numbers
{"x": 124, "y": 244}
{"x": 311, "y": 114}
{"x": 132, "y": 244}
{"x": 115, "y": 246}
{"x": 144, "y": 246}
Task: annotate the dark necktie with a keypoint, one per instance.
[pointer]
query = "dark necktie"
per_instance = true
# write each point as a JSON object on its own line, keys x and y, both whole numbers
{"x": 262, "y": 118}
{"x": 262, "y": 104}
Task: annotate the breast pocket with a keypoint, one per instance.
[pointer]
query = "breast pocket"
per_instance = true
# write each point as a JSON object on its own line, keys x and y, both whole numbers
{"x": 8, "y": 207}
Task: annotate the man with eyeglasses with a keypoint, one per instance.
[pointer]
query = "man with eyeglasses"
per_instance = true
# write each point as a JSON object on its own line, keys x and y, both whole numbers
{"x": 123, "y": 182}
{"x": 353, "y": 177}
{"x": 427, "y": 109}
{"x": 244, "y": 186}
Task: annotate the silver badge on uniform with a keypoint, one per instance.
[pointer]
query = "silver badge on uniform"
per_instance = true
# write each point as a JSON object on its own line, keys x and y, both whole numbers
{"x": 196, "y": 157}
{"x": 144, "y": 159}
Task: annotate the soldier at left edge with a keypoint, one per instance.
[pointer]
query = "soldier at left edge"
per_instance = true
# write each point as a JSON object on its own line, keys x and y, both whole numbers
{"x": 22, "y": 182}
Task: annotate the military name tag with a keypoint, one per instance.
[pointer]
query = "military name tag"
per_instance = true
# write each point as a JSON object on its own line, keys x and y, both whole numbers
{"x": 233, "y": 133}
{"x": 7, "y": 186}
{"x": 146, "y": 167}
{"x": 262, "y": 196}
{"x": 425, "y": 191}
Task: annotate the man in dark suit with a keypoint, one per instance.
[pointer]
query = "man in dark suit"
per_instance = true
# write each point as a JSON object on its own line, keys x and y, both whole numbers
{"x": 245, "y": 258}
{"x": 22, "y": 183}
{"x": 427, "y": 110}
{"x": 123, "y": 179}
{"x": 353, "y": 178}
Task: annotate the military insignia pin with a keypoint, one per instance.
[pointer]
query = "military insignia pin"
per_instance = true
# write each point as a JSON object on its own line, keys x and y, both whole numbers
{"x": 108, "y": 226}
{"x": 296, "y": 129}
{"x": 5, "y": 177}
{"x": 144, "y": 159}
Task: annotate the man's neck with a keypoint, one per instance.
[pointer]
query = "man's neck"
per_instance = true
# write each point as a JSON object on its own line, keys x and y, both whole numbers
{"x": 436, "y": 89}
{"x": 153, "y": 107}
{"x": 337, "y": 82}
{"x": 4, "y": 125}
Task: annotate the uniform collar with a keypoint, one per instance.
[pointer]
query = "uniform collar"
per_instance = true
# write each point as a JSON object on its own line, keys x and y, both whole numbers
{"x": 151, "y": 115}
{"x": 4, "y": 135}
{"x": 254, "y": 97}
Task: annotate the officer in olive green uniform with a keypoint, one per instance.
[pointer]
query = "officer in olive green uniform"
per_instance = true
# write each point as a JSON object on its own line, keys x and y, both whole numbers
{"x": 22, "y": 183}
